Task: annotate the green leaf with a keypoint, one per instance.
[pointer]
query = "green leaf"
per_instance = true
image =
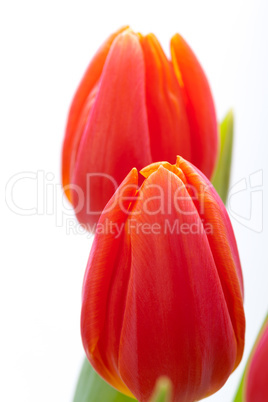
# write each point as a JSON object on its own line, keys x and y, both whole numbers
{"x": 163, "y": 389}
{"x": 92, "y": 388}
{"x": 221, "y": 175}
{"x": 239, "y": 394}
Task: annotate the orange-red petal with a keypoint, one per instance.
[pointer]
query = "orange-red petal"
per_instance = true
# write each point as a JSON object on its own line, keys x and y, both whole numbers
{"x": 105, "y": 285}
{"x": 167, "y": 118}
{"x": 116, "y": 135}
{"x": 80, "y": 108}
{"x": 199, "y": 105}
{"x": 223, "y": 247}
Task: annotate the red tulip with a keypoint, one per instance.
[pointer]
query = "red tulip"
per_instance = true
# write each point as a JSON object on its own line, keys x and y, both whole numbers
{"x": 256, "y": 380}
{"x": 134, "y": 107}
{"x": 163, "y": 289}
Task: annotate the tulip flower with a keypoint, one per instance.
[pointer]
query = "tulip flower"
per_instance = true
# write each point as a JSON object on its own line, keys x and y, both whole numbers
{"x": 163, "y": 289}
{"x": 256, "y": 377}
{"x": 134, "y": 107}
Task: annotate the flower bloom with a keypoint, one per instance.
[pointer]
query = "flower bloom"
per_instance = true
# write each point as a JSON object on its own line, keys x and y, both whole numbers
{"x": 256, "y": 379}
{"x": 134, "y": 107}
{"x": 163, "y": 288}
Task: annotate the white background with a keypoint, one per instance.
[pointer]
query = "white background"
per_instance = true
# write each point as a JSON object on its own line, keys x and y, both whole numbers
{"x": 45, "y": 48}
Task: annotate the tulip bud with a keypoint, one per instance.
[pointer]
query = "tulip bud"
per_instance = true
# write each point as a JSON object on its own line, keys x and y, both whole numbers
{"x": 255, "y": 384}
{"x": 134, "y": 107}
{"x": 163, "y": 289}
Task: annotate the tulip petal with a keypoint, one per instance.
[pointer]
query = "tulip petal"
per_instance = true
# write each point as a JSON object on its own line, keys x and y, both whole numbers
{"x": 81, "y": 105}
{"x": 199, "y": 105}
{"x": 167, "y": 118}
{"x": 117, "y": 129}
{"x": 239, "y": 397}
{"x": 176, "y": 322}
{"x": 223, "y": 246}
{"x": 103, "y": 292}
{"x": 256, "y": 385}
